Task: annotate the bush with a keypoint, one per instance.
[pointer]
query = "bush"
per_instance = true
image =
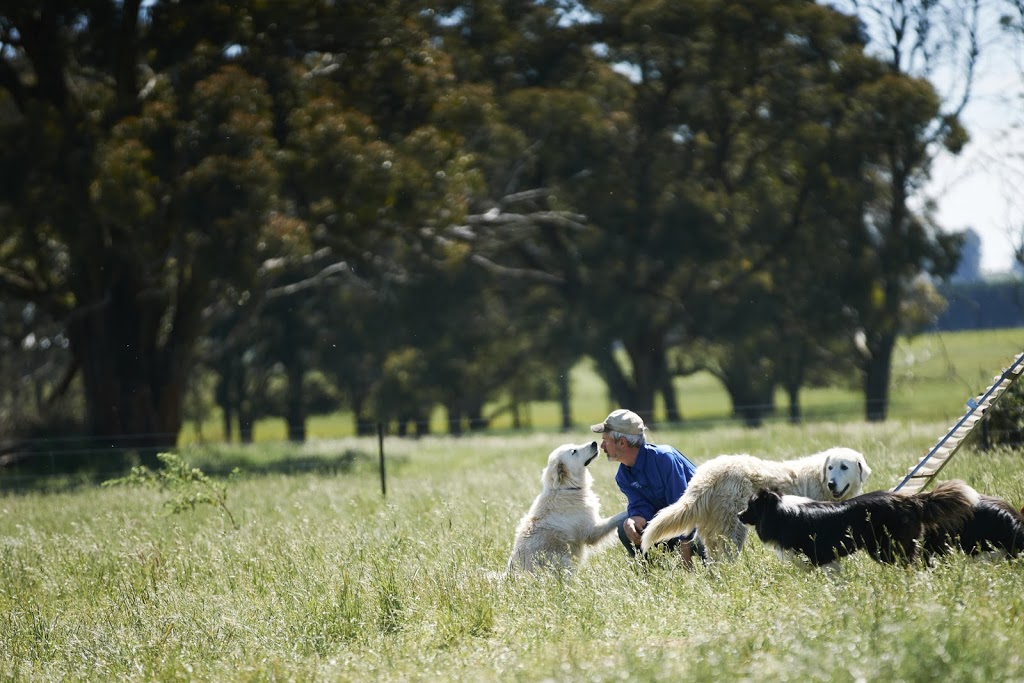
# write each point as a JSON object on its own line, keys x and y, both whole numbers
{"x": 1005, "y": 424}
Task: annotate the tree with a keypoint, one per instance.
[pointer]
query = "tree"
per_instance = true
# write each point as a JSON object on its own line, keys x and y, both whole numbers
{"x": 129, "y": 176}
{"x": 916, "y": 40}
{"x": 532, "y": 113}
{"x": 732, "y": 162}
{"x": 160, "y": 160}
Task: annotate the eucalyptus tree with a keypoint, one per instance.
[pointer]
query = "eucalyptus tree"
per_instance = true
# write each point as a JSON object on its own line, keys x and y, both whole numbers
{"x": 379, "y": 185}
{"x": 931, "y": 49}
{"x": 163, "y": 162}
{"x": 534, "y": 111}
{"x": 733, "y": 164}
{"x": 139, "y": 169}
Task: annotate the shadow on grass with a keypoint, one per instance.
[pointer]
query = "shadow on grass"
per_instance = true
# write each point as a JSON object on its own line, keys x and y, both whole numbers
{"x": 341, "y": 463}
{"x": 39, "y": 475}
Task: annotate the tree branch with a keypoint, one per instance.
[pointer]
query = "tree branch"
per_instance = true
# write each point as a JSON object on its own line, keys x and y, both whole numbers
{"x": 516, "y": 273}
{"x": 314, "y": 281}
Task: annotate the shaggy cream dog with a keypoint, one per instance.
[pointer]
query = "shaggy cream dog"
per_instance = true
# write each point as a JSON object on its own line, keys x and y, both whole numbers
{"x": 721, "y": 487}
{"x": 564, "y": 521}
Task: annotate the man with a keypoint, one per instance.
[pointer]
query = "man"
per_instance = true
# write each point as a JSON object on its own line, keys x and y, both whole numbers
{"x": 650, "y": 476}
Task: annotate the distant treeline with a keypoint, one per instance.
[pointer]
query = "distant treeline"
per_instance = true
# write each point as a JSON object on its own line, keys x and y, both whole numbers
{"x": 982, "y": 305}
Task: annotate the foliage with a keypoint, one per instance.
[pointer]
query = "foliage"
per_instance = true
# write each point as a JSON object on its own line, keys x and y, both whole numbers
{"x": 189, "y": 485}
{"x": 922, "y": 124}
{"x": 449, "y": 204}
{"x": 1005, "y": 422}
{"x": 153, "y": 180}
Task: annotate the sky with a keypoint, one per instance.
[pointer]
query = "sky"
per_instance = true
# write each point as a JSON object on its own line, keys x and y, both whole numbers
{"x": 979, "y": 189}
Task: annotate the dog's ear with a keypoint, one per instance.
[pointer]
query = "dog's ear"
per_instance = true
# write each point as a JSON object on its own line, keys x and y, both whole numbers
{"x": 824, "y": 471}
{"x": 550, "y": 476}
{"x": 864, "y": 470}
{"x": 562, "y": 474}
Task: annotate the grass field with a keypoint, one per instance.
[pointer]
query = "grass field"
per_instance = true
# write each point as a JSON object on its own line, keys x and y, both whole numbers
{"x": 326, "y": 579}
{"x": 933, "y": 376}
{"x": 319, "y": 576}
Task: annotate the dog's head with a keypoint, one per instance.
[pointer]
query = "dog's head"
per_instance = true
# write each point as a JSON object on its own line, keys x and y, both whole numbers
{"x": 844, "y": 473}
{"x": 758, "y": 504}
{"x": 567, "y": 466}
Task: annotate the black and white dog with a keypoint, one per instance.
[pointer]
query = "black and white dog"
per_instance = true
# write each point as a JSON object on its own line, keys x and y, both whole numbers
{"x": 888, "y": 526}
{"x": 995, "y": 528}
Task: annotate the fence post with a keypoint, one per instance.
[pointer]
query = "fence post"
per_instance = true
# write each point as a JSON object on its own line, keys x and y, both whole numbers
{"x": 380, "y": 446}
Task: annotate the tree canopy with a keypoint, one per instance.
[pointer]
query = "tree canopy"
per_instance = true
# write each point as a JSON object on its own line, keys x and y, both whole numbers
{"x": 450, "y": 204}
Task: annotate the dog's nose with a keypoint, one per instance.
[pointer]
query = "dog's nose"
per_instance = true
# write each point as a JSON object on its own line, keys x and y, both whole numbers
{"x": 593, "y": 444}
{"x": 831, "y": 485}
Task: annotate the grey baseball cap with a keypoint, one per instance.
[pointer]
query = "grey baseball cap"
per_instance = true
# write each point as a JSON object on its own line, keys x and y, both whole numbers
{"x": 622, "y": 421}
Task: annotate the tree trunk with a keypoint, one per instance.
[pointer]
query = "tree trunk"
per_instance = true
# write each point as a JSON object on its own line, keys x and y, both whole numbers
{"x": 228, "y": 420}
{"x": 747, "y": 405}
{"x": 668, "y": 393}
{"x": 565, "y": 399}
{"x": 226, "y": 397}
{"x": 134, "y": 386}
{"x": 477, "y": 421}
{"x": 648, "y": 359}
{"x": 246, "y": 422}
{"x": 792, "y": 366}
{"x": 751, "y": 387}
{"x": 363, "y": 425}
{"x": 244, "y": 408}
{"x": 877, "y": 373}
{"x": 795, "y": 414}
{"x": 454, "y": 420}
{"x": 619, "y": 387}
{"x": 295, "y": 411}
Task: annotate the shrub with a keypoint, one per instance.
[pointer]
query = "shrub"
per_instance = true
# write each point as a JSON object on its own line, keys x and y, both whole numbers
{"x": 1005, "y": 424}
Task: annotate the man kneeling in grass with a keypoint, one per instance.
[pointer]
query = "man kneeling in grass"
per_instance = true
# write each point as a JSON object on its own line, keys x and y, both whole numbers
{"x": 650, "y": 476}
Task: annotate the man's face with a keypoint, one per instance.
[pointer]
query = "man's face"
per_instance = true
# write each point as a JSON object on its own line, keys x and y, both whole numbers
{"x": 612, "y": 447}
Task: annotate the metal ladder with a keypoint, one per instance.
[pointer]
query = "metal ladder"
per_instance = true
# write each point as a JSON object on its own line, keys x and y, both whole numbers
{"x": 926, "y": 469}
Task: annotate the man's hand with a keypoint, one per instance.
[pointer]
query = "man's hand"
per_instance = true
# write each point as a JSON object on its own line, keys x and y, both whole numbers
{"x": 634, "y": 526}
{"x": 686, "y": 552}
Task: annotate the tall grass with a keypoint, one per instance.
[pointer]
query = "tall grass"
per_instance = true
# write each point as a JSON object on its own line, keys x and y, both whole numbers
{"x": 324, "y": 579}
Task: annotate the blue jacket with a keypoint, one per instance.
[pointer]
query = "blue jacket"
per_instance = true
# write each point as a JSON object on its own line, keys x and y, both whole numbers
{"x": 658, "y": 478}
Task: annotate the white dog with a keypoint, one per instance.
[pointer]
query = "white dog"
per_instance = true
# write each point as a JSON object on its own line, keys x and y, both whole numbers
{"x": 721, "y": 487}
{"x": 564, "y": 521}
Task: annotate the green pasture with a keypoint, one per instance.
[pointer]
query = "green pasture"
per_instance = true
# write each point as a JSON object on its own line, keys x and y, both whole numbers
{"x": 933, "y": 376}
{"x": 326, "y": 579}
{"x": 311, "y": 573}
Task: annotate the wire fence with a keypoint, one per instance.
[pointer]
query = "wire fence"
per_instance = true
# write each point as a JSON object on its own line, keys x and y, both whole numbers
{"x": 74, "y": 460}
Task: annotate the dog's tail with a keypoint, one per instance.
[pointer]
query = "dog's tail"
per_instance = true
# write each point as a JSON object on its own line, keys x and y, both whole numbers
{"x": 671, "y": 521}
{"x": 948, "y": 507}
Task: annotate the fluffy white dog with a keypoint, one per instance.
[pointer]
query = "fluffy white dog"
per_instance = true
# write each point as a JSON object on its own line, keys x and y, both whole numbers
{"x": 721, "y": 487}
{"x": 564, "y": 521}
